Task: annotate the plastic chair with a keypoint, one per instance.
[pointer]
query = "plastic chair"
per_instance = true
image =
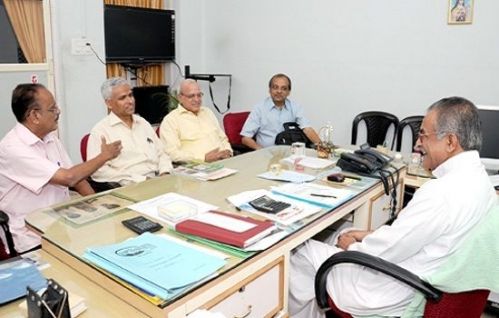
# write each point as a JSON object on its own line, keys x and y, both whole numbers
{"x": 414, "y": 123}
{"x": 83, "y": 147}
{"x": 439, "y": 304}
{"x": 233, "y": 124}
{"x": 97, "y": 186}
{"x": 4, "y": 225}
{"x": 377, "y": 124}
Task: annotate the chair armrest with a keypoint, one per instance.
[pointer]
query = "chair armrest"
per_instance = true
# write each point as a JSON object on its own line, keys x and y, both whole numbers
{"x": 375, "y": 263}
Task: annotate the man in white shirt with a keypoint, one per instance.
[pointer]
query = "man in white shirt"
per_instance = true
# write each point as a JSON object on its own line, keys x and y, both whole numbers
{"x": 191, "y": 132}
{"x": 35, "y": 169}
{"x": 142, "y": 155}
{"x": 426, "y": 232}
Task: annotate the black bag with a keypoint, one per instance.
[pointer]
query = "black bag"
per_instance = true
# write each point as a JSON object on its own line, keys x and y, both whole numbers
{"x": 292, "y": 133}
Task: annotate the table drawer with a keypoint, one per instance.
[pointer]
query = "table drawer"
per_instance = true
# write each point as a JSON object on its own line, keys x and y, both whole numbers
{"x": 261, "y": 296}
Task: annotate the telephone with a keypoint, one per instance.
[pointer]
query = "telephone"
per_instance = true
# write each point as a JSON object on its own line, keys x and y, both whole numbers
{"x": 363, "y": 161}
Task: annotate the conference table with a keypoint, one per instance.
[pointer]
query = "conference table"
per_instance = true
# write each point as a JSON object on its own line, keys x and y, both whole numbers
{"x": 250, "y": 285}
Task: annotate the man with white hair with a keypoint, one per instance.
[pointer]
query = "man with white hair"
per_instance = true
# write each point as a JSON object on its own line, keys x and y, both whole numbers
{"x": 142, "y": 155}
{"x": 191, "y": 132}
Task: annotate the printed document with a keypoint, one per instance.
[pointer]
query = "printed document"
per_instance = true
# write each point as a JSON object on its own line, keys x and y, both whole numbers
{"x": 154, "y": 264}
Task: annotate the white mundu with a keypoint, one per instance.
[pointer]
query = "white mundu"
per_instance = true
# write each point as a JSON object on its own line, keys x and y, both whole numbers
{"x": 426, "y": 232}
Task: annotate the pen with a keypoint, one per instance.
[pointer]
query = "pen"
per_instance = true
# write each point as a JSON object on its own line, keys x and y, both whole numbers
{"x": 323, "y": 195}
{"x": 353, "y": 177}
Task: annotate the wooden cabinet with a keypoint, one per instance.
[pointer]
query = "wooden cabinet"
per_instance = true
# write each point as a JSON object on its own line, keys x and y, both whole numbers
{"x": 261, "y": 295}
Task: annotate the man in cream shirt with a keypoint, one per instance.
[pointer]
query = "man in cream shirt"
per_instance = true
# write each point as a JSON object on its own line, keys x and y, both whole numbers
{"x": 142, "y": 155}
{"x": 191, "y": 132}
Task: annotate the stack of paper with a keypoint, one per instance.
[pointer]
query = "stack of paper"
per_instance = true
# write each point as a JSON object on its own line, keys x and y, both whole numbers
{"x": 156, "y": 265}
{"x": 171, "y": 208}
{"x": 309, "y": 162}
{"x": 323, "y": 196}
{"x": 287, "y": 175}
{"x": 297, "y": 211}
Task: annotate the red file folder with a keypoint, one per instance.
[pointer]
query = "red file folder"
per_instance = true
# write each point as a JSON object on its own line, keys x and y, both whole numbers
{"x": 223, "y": 235}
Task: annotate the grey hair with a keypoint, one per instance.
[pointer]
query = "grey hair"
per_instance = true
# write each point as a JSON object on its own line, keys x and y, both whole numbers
{"x": 106, "y": 89}
{"x": 459, "y": 116}
{"x": 184, "y": 83}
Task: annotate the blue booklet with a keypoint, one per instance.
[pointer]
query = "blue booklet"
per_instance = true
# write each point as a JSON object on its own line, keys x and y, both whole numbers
{"x": 15, "y": 275}
{"x": 154, "y": 264}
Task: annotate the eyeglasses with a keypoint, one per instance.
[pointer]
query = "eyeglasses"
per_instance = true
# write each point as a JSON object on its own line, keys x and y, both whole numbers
{"x": 191, "y": 96}
{"x": 422, "y": 134}
{"x": 54, "y": 110}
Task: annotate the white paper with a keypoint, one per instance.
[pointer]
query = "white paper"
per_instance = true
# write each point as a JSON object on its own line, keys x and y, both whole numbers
{"x": 266, "y": 242}
{"x": 287, "y": 175}
{"x": 224, "y": 222}
{"x": 297, "y": 211}
{"x": 310, "y": 162}
{"x": 321, "y": 195}
{"x": 150, "y": 207}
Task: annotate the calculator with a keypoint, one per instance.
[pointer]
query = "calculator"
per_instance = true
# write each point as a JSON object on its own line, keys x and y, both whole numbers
{"x": 140, "y": 225}
{"x": 268, "y": 205}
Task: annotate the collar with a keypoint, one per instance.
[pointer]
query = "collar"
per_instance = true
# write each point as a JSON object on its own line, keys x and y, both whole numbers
{"x": 115, "y": 120}
{"x": 457, "y": 162}
{"x": 270, "y": 102}
{"x": 29, "y": 138}
{"x": 183, "y": 110}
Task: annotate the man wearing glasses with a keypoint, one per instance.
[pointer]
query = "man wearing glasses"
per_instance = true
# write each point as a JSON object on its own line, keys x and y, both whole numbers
{"x": 191, "y": 132}
{"x": 267, "y": 118}
{"x": 425, "y": 234}
{"x": 35, "y": 170}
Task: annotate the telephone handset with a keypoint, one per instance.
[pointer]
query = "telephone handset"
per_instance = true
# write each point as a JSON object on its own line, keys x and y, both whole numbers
{"x": 365, "y": 161}
{"x": 355, "y": 162}
{"x": 374, "y": 155}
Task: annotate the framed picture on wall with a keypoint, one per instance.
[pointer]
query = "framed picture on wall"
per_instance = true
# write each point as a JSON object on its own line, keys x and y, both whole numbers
{"x": 460, "y": 12}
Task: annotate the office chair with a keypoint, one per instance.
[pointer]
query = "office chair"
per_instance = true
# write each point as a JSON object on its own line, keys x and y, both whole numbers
{"x": 233, "y": 124}
{"x": 83, "y": 147}
{"x": 414, "y": 123}
{"x": 4, "y": 225}
{"x": 97, "y": 186}
{"x": 458, "y": 289}
{"x": 377, "y": 124}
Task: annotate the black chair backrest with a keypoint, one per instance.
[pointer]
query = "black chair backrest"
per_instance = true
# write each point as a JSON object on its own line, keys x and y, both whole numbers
{"x": 414, "y": 122}
{"x": 377, "y": 124}
{"x": 4, "y": 225}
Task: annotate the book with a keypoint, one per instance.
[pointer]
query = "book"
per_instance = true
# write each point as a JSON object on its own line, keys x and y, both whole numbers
{"x": 226, "y": 228}
{"x": 15, "y": 275}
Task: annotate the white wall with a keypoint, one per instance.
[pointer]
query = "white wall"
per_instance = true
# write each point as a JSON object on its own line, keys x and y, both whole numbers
{"x": 78, "y": 78}
{"x": 344, "y": 57}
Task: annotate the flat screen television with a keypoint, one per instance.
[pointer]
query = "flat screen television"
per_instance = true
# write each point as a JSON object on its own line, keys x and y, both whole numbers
{"x": 489, "y": 118}
{"x": 139, "y": 35}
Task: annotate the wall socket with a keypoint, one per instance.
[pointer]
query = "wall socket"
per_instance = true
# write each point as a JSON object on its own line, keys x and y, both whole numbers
{"x": 79, "y": 47}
